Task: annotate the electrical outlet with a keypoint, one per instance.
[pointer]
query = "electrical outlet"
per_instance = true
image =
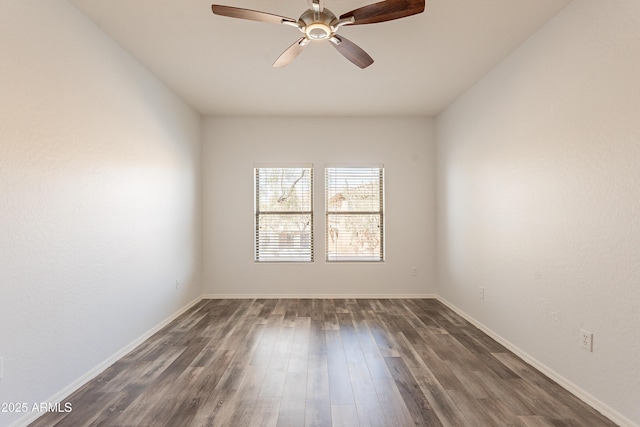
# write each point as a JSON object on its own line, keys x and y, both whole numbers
{"x": 414, "y": 271}
{"x": 177, "y": 284}
{"x": 586, "y": 340}
{"x": 481, "y": 293}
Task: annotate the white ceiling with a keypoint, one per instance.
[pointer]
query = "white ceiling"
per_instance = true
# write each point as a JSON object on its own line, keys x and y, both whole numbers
{"x": 222, "y": 66}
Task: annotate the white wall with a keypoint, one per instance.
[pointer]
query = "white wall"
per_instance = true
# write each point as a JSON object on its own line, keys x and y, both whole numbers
{"x": 538, "y": 195}
{"x": 99, "y": 200}
{"x": 233, "y": 145}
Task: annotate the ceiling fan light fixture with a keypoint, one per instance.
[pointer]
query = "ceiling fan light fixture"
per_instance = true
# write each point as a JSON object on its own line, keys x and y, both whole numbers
{"x": 317, "y": 31}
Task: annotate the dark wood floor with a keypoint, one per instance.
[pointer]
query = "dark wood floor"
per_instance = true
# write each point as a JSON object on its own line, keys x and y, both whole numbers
{"x": 322, "y": 362}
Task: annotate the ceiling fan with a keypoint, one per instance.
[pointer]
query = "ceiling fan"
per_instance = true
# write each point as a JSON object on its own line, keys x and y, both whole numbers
{"x": 319, "y": 23}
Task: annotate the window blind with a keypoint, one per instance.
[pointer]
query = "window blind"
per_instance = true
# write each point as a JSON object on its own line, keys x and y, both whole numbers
{"x": 354, "y": 206}
{"x": 284, "y": 214}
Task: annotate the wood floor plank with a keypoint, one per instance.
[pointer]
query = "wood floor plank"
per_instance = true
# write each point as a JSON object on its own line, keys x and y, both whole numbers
{"x": 448, "y": 413}
{"x": 393, "y": 406}
{"x": 241, "y": 358}
{"x": 381, "y": 334}
{"x": 329, "y": 315}
{"x": 413, "y": 397}
{"x": 539, "y": 401}
{"x": 179, "y": 400}
{"x": 340, "y": 392}
{"x": 213, "y": 408}
{"x": 299, "y": 357}
{"x": 368, "y": 407}
{"x": 317, "y": 412}
{"x": 554, "y": 391}
{"x": 304, "y": 307}
{"x": 471, "y": 409}
{"x": 352, "y": 350}
{"x": 370, "y": 350}
{"x": 116, "y": 407}
{"x": 273, "y": 383}
{"x": 318, "y": 377}
{"x": 500, "y": 413}
{"x": 265, "y": 414}
{"x": 317, "y": 400}
{"x": 317, "y": 338}
{"x": 432, "y": 389}
{"x": 439, "y": 368}
{"x": 322, "y": 362}
{"x": 344, "y": 416}
{"x": 536, "y": 421}
{"x": 292, "y": 405}
{"x": 291, "y": 312}
{"x": 500, "y": 389}
{"x": 270, "y": 333}
{"x": 466, "y": 337}
{"x": 468, "y": 378}
{"x": 246, "y": 396}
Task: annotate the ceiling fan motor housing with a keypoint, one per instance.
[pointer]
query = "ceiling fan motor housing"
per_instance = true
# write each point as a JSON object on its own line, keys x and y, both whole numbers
{"x": 317, "y": 25}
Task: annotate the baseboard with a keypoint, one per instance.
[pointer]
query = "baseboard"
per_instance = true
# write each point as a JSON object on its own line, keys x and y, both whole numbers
{"x": 67, "y": 391}
{"x": 581, "y": 394}
{"x": 319, "y": 296}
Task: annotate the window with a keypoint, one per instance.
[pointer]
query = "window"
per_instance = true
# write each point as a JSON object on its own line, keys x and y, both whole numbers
{"x": 284, "y": 214}
{"x": 354, "y": 206}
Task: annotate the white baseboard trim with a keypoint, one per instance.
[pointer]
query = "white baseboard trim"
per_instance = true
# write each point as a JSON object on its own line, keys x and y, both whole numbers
{"x": 581, "y": 394}
{"x": 319, "y": 296}
{"x": 67, "y": 391}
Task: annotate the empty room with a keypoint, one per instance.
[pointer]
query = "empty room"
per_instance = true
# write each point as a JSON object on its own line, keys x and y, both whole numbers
{"x": 320, "y": 213}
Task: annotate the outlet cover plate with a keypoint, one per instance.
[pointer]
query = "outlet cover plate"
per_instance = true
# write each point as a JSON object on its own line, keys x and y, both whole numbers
{"x": 586, "y": 340}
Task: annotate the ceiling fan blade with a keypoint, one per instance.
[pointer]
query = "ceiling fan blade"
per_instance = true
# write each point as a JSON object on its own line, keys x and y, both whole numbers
{"x": 385, "y": 11}
{"x": 291, "y": 53}
{"x": 253, "y": 15}
{"x": 351, "y": 51}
